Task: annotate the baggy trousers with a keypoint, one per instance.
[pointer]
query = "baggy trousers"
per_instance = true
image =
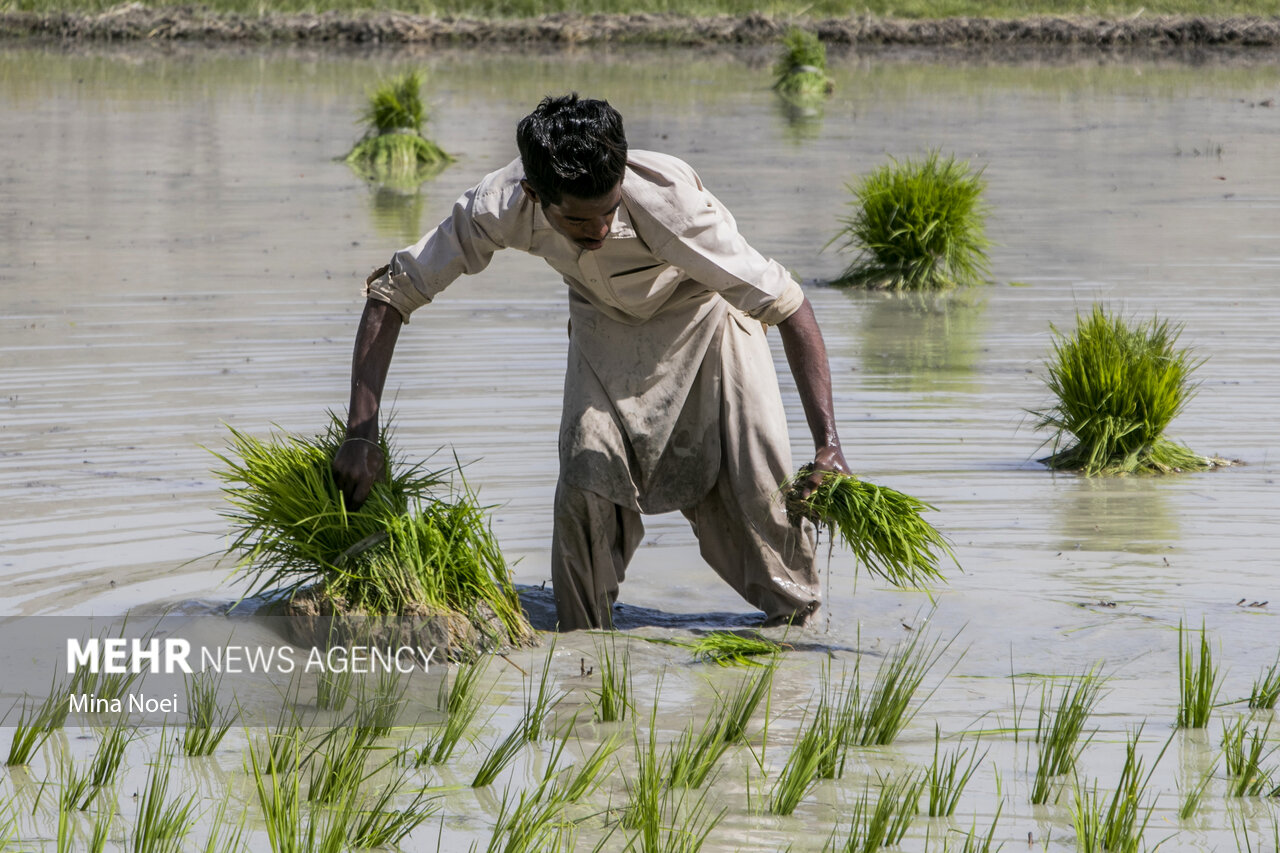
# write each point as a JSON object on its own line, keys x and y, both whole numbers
{"x": 740, "y": 523}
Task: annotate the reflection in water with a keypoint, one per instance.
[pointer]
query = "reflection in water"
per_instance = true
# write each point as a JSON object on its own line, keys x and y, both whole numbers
{"x": 1117, "y": 514}
{"x": 803, "y": 116}
{"x": 920, "y": 342}
{"x": 396, "y": 214}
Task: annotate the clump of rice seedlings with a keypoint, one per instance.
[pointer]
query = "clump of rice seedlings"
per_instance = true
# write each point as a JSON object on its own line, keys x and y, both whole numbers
{"x": 225, "y": 835}
{"x": 800, "y": 73}
{"x": 837, "y": 707}
{"x": 380, "y": 824}
{"x": 207, "y": 721}
{"x": 917, "y": 225}
{"x": 948, "y": 775}
{"x": 100, "y": 831}
{"x": 888, "y": 706}
{"x": 1243, "y": 752}
{"x": 77, "y": 790}
{"x": 585, "y": 777}
{"x": 1194, "y": 795}
{"x": 501, "y": 755}
{"x": 1199, "y": 681}
{"x": 340, "y": 767}
{"x": 538, "y": 706}
{"x": 461, "y": 707}
{"x": 1118, "y": 386}
{"x": 1266, "y": 688}
{"x": 404, "y": 548}
{"x": 162, "y": 822}
{"x": 1116, "y": 825}
{"x": 278, "y": 783}
{"x": 882, "y": 526}
{"x": 333, "y": 689}
{"x": 1059, "y": 728}
{"x": 613, "y": 699}
{"x": 36, "y": 722}
{"x": 665, "y": 820}
{"x": 740, "y": 705}
{"x": 975, "y": 843}
{"x": 393, "y": 152}
{"x": 102, "y": 684}
{"x": 727, "y": 648}
{"x": 802, "y": 771}
{"x": 691, "y": 758}
{"x": 378, "y": 707}
{"x": 883, "y": 824}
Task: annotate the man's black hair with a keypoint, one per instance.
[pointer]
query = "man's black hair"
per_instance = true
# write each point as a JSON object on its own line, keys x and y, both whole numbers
{"x": 572, "y": 146}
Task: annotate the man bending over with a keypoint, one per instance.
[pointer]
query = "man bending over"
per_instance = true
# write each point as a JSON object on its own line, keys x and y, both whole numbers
{"x": 671, "y": 400}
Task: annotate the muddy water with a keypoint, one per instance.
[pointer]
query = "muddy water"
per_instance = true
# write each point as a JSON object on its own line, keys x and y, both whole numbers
{"x": 180, "y": 253}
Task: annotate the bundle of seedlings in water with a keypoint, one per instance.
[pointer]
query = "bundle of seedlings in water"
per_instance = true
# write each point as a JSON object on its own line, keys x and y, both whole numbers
{"x": 408, "y": 564}
{"x": 393, "y": 152}
{"x": 1118, "y": 386}
{"x": 882, "y": 526}
{"x": 728, "y": 648}
{"x": 917, "y": 225}
{"x": 800, "y": 74}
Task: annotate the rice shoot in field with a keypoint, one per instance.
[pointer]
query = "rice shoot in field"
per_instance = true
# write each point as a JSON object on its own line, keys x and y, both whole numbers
{"x": 800, "y": 72}
{"x": 393, "y": 152}
{"x": 727, "y": 648}
{"x": 883, "y": 527}
{"x": 404, "y": 546}
{"x": 916, "y": 225}
{"x": 1118, "y": 386}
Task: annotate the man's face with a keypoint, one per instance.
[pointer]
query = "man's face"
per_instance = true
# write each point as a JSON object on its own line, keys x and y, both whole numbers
{"x": 583, "y": 221}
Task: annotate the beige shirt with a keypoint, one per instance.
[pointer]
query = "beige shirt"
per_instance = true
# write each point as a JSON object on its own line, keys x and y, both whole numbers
{"x": 649, "y": 312}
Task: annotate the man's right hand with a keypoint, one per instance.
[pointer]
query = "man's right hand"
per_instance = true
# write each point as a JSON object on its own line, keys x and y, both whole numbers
{"x": 358, "y": 464}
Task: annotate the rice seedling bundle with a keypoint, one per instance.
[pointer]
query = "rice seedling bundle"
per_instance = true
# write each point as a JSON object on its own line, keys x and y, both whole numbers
{"x": 727, "y": 648}
{"x": 883, "y": 527}
{"x": 801, "y": 70}
{"x": 393, "y": 150}
{"x": 917, "y": 225}
{"x": 1118, "y": 386}
{"x": 404, "y": 549}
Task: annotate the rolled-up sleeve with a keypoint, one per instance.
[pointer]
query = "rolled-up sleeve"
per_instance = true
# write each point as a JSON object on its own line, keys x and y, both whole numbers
{"x": 702, "y": 238}
{"x": 463, "y": 244}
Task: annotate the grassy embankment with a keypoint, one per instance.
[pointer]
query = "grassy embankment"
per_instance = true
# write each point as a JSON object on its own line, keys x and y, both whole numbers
{"x": 777, "y": 8}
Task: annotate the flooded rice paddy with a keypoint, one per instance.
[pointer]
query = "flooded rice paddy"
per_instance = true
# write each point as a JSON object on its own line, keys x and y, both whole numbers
{"x": 180, "y": 253}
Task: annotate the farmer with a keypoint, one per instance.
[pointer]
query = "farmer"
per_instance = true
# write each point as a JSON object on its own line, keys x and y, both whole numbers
{"x": 671, "y": 400}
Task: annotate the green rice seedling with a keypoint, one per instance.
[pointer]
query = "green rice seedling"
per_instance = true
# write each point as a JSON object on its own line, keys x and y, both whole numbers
{"x": 277, "y": 780}
{"x": 1059, "y": 728}
{"x": 1117, "y": 825}
{"x": 948, "y": 775}
{"x": 887, "y": 708}
{"x": 100, "y": 831}
{"x": 837, "y": 708}
{"x": 337, "y": 765}
{"x": 643, "y": 811}
{"x": 1118, "y": 386}
{"x": 1244, "y": 841}
{"x": 917, "y": 225}
{"x": 802, "y": 771}
{"x": 679, "y": 824}
{"x": 1266, "y": 688}
{"x": 162, "y": 822}
{"x": 393, "y": 152}
{"x": 740, "y": 705}
{"x": 538, "y": 706}
{"x": 1199, "y": 681}
{"x": 461, "y": 707}
{"x": 613, "y": 699}
{"x": 800, "y": 73}
{"x": 333, "y": 689}
{"x": 883, "y": 527}
{"x": 1243, "y": 752}
{"x": 225, "y": 835}
{"x": 377, "y": 707}
{"x": 692, "y": 757}
{"x": 207, "y": 720}
{"x": 1194, "y": 795}
{"x": 380, "y": 824}
{"x": 975, "y": 843}
{"x": 106, "y": 761}
{"x": 36, "y": 722}
{"x": 727, "y": 648}
{"x": 883, "y": 824}
{"x": 502, "y": 754}
{"x": 77, "y": 791}
{"x": 103, "y": 684}
{"x": 404, "y": 547}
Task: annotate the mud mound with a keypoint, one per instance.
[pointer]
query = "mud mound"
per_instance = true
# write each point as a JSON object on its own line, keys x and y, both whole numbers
{"x": 135, "y": 22}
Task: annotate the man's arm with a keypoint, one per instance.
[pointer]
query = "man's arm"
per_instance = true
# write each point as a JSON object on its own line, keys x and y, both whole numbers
{"x": 807, "y": 356}
{"x": 359, "y": 463}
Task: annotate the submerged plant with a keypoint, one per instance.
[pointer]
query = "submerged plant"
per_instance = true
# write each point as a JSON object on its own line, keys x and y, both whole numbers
{"x": 917, "y": 225}
{"x": 207, "y": 721}
{"x": 403, "y": 547}
{"x": 883, "y": 527}
{"x": 1266, "y": 688}
{"x": 801, "y": 70}
{"x": 162, "y": 822}
{"x": 461, "y": 706}
{"x": 873, "y": 826}
{"x": 1118, "y": 386}
{"x": 613, "y": 699}
{"x": 802, "y": 770}
{"x": 1198, "y": 682}
{"x": 948, "y": 775}
{"x": 393, "y": 150}
{"x": 1116, "y": 825}
{"x": 1243, "y": 751}
{"x": 887, "y": 709}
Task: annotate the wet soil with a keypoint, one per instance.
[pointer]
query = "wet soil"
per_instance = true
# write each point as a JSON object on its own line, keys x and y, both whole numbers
{"x": 136, "y": 22}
